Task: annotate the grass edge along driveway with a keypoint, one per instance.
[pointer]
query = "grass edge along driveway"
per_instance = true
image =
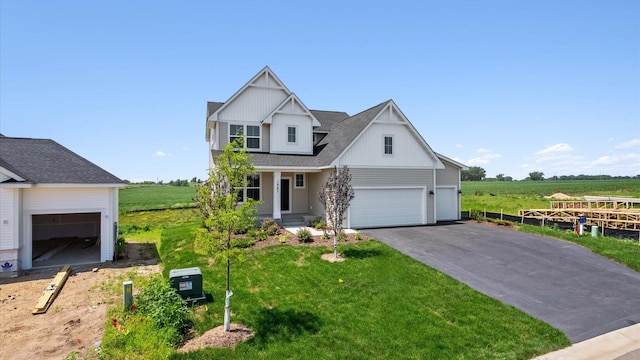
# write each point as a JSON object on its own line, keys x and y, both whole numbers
{"x": 377, "y": 304}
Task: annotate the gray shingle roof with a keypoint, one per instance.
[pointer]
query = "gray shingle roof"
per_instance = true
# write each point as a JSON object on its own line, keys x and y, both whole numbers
{"x": 46, "y": 161}
{"x": 327, "y": 119}
{"x": 343, "y": 131}
{"x": 212, "y": 107}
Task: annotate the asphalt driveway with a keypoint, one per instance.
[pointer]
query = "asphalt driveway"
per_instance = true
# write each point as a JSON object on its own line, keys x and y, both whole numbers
{"x": 565, "y": 285}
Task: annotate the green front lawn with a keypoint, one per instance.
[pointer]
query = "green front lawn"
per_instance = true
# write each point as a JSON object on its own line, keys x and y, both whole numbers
{"x": 377, "y": 304}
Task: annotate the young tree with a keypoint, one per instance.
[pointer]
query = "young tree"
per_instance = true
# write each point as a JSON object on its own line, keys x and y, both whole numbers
{"x": 335, "y": 197}
{"x": 218, "y": 199}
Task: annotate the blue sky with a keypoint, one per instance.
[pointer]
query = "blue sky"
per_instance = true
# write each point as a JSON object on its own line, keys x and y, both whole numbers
{"x": 511, "y": 86}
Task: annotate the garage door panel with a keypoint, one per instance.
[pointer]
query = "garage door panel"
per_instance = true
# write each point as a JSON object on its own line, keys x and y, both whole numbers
{"x": 446, "y": 204}
{"x": 386, "y": 207}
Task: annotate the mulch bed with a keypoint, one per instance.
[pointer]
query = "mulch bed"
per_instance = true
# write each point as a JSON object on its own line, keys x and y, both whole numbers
{"x": 315, "y": 241}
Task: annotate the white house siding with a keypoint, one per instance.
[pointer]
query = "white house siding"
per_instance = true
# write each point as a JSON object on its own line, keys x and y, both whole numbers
{"x": 37, "y": 201}
{"x": 450, "y": 175}
{"x": 252, "y": 105}
{"x": 8, "y": 218}
{"x": 304, "y": 134}
{"x": 368, "y": 150}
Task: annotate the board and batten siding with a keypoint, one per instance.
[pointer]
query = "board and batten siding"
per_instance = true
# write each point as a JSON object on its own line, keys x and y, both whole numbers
{"x": 368, "y": 150}
{"x": 266, "y": 194}
{"x": 252, "y": 105}
{"x": 304, "y": 134}
{"x": 224, "y": 135}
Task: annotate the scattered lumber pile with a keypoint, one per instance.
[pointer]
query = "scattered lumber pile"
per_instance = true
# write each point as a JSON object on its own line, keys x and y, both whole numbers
{"x": 51, "y": 292}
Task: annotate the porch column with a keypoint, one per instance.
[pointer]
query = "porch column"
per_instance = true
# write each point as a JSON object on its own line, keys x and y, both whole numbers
{"x": 276, "y": 195}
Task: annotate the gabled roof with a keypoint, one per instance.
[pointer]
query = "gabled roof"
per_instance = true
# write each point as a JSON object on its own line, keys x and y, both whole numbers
{"x": 292, "y": 102}
{"x": 453, "y": 162}
{"x": 44, "y": 161}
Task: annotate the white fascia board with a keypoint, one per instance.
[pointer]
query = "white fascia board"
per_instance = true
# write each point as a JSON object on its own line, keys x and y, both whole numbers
{"x": 292, "y": 97}
{"x": 453, "y": 162}
{"x": 287, "y": 169}
{"x": 16, "y": 185}
{"x": 54, "y": 185}
{"x": 11, "y": 174}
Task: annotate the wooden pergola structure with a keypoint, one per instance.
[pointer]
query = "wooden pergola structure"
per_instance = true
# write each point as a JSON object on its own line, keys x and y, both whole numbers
{"x": 605, "y": 212}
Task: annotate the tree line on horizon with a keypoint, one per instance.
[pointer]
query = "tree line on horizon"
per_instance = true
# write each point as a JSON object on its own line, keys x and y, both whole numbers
{"x": 476, "y": 173}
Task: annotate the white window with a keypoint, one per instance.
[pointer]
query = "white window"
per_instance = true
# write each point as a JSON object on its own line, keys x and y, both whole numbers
{"x": 252, "y": 134}
{"x": 291, "y": 134}
{"x": 252, "y": 191}
{"x": 299, "y": 182}
{"x": 388, "y": 145}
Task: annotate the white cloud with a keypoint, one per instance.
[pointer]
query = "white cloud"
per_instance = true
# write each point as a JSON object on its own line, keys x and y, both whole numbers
{"x": 628, "y": 144}
{"x": 459, "y": 145}
{"x": 485, "y": 156}
{"x": 616, "y": 159}
{"x": 555, "y": 149}
{"x": 160, "y": 153}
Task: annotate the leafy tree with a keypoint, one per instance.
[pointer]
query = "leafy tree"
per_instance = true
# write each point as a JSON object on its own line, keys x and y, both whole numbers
{"x": 500, "y": 177}
{"x": 335, "y": 197}
{"x": 536, "y": 176}
{"x": 218, "y": 201}
{"x": 475, "y": 173}
{"x": 508, "y": 178}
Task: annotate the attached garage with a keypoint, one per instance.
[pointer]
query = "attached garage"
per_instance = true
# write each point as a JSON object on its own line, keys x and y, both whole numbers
{"x": 57, "y": 207}
{"x": 379, "y": 207}
{"x": 447, "y": 204}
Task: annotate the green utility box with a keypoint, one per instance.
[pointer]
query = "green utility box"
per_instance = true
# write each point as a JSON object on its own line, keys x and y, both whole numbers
{"x": 188, "y": 283}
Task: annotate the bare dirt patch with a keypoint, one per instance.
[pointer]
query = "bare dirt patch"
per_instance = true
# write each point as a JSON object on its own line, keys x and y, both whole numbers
{"x": 217, "y": 337}
{"x": 331, "y": 258}
{"x": 75, "y": 322}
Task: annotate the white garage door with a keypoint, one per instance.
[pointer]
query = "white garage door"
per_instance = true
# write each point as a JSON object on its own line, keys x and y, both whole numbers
{"x": 446, "y": 204}
{"x": 386, "y": 207}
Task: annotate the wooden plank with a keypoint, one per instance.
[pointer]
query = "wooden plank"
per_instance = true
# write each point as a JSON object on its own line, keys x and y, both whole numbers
{"x": 51, "y": 292}
{"x": 46, "y": 256}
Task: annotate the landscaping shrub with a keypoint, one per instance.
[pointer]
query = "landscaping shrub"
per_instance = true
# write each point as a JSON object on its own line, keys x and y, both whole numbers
{"x": 257, "y": 234}
{"x": 243, "y": 242}
{"x": 161, "y": 303}
{"x": 357, "y": 236}
{"x": 270, "y": 227}
{"x": 304, "y": 235}
{"x": 342, "y": 237}
{"x": 319, "y": 224}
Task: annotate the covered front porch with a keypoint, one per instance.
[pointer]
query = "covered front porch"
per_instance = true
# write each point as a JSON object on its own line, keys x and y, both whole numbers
{"x": 290, "y": 196}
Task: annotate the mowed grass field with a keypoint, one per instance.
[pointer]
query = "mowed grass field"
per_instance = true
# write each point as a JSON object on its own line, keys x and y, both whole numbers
{"x": 378, "y": 304}
{"x": 509, "y": 197}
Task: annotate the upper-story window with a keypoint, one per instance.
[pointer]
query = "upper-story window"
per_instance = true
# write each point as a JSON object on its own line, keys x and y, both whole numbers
{"x": 388, "y": 145}
{"x": 291, "y": 134}
{"x": 252, "y": 134}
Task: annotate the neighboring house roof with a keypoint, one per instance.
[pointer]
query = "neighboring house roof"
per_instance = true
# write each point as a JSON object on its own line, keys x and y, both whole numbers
{"x": 44, "y": 161}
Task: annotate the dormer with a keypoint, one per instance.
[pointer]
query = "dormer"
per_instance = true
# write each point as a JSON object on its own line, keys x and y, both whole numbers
{"x": 291, "y": 127}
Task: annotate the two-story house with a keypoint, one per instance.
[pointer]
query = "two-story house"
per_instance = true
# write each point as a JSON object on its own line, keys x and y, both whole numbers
{"x": 398, "y": 179}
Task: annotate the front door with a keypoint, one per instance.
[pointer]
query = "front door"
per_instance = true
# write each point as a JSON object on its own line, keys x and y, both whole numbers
{"x": 285, "y": 195}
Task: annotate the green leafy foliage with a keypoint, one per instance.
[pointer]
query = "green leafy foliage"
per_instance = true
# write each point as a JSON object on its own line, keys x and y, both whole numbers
{"x": 304, "y": 235}
{"x": 161, "y": 303}
{"x": 270, "y": 227}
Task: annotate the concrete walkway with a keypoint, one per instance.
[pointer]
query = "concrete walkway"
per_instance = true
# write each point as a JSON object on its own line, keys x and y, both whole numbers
{"x": 623, "y": 344}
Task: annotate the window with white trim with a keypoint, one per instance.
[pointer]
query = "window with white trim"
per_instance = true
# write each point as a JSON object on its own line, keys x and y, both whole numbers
{"x": 291, "y": 134}
{"x": 252, "y": 190}
{"x": 299, "y": 181}
{"x": 252, "y": 140}
{"x": 388, "y": 145}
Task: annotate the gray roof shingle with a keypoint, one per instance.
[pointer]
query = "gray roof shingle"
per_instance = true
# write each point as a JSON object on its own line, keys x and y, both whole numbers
{"x": 343, "y": 131}
{"x": 46, "y": 161}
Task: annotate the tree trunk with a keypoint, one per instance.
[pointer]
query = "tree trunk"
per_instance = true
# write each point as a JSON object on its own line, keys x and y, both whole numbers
{"x": 227, "y": 306}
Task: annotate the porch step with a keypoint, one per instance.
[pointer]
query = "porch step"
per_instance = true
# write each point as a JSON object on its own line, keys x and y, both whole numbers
{"x": 293, "y": 221}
